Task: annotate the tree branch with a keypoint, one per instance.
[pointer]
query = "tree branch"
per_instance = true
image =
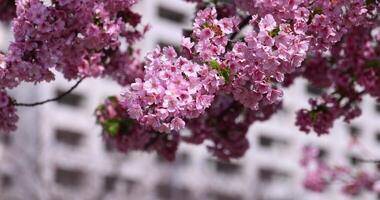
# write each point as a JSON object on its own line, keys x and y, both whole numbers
{"x": 61, "y": 96}
{"x": 368, "y": 161}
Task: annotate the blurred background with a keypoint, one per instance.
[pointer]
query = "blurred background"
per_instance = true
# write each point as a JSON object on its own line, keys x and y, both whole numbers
{"x": 58, "y": 152}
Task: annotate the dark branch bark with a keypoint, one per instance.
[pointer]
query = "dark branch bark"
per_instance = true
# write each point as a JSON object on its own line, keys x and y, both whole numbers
{"x": 61, "y": 96}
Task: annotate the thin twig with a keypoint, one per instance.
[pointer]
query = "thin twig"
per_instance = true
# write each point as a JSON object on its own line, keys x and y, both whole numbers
{"x": 59, "y": 97}
{"x": 368, "y": 161}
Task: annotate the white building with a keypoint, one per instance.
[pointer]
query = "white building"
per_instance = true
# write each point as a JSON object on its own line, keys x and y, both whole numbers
{"x": 60, "y": 155}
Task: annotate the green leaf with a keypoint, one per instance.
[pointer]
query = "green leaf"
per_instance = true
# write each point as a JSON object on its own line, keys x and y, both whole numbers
{"x": 225, "y": 72}
{"x": 369, "y": 2}
{"x": 214, "y": 64}
{"x": 373, "y": 63}
{"x": 112, "y": 126}
{"x": 313, "y": 115}
{"x": 275, "y": 32}
{"x": 222, "y": 71}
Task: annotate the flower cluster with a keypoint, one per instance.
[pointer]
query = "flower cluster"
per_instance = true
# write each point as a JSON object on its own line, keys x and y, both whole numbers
{"x": 73, "y": 37}
{"x": 258, "y": 64}
{"x": 229, "y": 73}
{"x": 320, "y": 176}
{"x": 174, "y": 89}
{"x": 225, "y": 125}
{"x": 8, "y": 117}
{"x": 211, "y": 34}
{"x": 128, "y": 135}
{"x": 351, "y": 70}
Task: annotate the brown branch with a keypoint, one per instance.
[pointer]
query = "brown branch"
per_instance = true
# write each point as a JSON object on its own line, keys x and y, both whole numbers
{"x": 368, "y": 161}
{"x": 59, "y": 97}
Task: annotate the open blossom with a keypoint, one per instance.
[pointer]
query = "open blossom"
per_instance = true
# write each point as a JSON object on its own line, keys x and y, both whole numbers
{"x": 173, "y": 89}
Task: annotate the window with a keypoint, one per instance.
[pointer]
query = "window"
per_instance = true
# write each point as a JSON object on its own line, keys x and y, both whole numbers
{"x": 108, "y": 146}
{"x": 377, "y": 135}
{"x": 377, "y": 108}
{"x": 313, "y": 90}
{"x": 268, "y": 142}
{"x": 354, "y": 131}
{"x": 72, "y": 99}
{"x": 265, "y": 141}
{"x": 167, "y": 191}
{"x": 68, "y": 137}
{"x": 223, "y": 196}
{"x": 225, "y": 167}
{"x": 6, "y": 181}
{"x": 323, "y": 153}
{"x": 68, "y": 177}
{"x": 171, "y": 15}
{"x": 268, "y": 175}
{"x": 182, "y": 159}
{"x": 163, "y": 43}
{"x": 131, "y": 185}
{"x": 6, "y": 139}
{"x": 109, "y": 183}
{"x": 354, "y": 160}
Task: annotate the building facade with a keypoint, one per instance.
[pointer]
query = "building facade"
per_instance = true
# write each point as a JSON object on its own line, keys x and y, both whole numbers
{"x": 58, "y": 152}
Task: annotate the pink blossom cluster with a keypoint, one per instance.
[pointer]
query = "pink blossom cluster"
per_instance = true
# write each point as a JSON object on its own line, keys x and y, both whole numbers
{"x": 173, "y": 89}
{"x": 351, "y": 71}
{"x": 225, "y": 127}
{"x": 260, "y": 62}
{"x": 8, "y": 117}
{"x": 210, "y": 34}
{"x": 229, "y": 73}
{"x": 319, "y": 176}
{"x": 325, "y": 21}
{"x": 78, "y": 38}
{"x": 128, "y": 135}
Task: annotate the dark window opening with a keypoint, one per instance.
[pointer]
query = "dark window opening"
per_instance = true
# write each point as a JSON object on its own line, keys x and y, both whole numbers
{"x": 378, "y": 137}
{"x": 182, "y": 159}
{"x": 6, "y": 181}
{"x": 265, "y": 141}
{"x": 131, "y": 185}
{"x": 267, "y": 175}
{"x": 72, "y": 99}
{"x": 68, "y": 137}
{"x": 171, "y": 15}
{"x": 377, "y": 108}
{"x": 6, "y": 139}
{"x": 313, "y": 90}
{"x": 354, "y": 131}
{"x": 222, "y": 196}
{"x": 109, "y": 183}
{"x": 227, "y": 168}
{"x": 68, "y": 178}
{"x": 323, "y": 154}
{"x": 167, "y": 191}
{"x": 354, "y": 160}
{"x": 163, "y": 43}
